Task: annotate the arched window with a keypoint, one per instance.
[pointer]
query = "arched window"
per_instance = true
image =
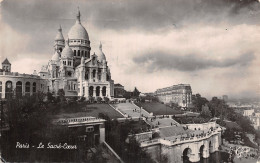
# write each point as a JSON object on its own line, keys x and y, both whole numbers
{"x": 60, "y": 49}
{"x": 90, "y": 92}
{"x": 98, "y": 91}
{"x": 34, "y": 87}
{"x": 78, "y": 53}
{"x": 75, "y": 52}
{"x": 0, "y": 90}
{"x": 8, "y": 89}
{"x": 27, "y": 88}
{"x": 19, "y": 89}
{"x": 104, "y": 89}
{"x": 94, "y": 73}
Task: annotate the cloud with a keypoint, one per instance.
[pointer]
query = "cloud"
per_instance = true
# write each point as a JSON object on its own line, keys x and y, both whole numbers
{"x": 157, "y": 61}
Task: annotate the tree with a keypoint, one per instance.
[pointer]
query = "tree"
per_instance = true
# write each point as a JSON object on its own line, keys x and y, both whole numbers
{"x": 106, "y": 99}
{"x": 61, "y": 95}
{"x": 99, "y": 99}
{"x": 50, "y": 97}
{"x": 198, "y": 102}
{"x": 136, "y": 93}
{"x": 205, "y": 113}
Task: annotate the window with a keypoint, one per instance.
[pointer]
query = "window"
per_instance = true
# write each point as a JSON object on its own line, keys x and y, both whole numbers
{"x": 75, "y": 52}
{"x": 82, "y": 53}
{"x": 27, "y": 87}
{"x": 78, "y": 53}
{"x": 69, "y": 74}
{"x": 74, "y": 87}
{"x": 0, "y": 86}
{"x": 34, "y": 87}
{"x": 85, "y": 53}
{"x": 94, "y": 73}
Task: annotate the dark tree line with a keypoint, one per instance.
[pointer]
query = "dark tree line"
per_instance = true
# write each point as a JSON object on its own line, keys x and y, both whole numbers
{"x": 31, "y": 122}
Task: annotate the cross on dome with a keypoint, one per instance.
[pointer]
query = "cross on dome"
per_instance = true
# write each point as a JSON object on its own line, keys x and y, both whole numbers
{"x": 100, "y": 46}
{"x": 78, "y": 16}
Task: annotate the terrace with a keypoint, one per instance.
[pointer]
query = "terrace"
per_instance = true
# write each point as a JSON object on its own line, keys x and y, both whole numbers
{"x": 159, "y": 109}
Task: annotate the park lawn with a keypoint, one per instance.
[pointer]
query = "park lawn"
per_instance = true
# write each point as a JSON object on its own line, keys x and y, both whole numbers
{"x": 158, "y": 109}
{"x": 91, "y": 110}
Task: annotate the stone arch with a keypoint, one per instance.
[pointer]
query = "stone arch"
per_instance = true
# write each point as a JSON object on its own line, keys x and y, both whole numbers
{"x": 186, "y": 154}
{"x": 98, "y": 91}
{"x": 27, "y": 88}
{"x": 210, "y": 147}
{"x": 90, "y": 91}
{"x": 104, "y": 89}
{"x": 1, "y": 87}
{"x": 8, "y": 89}
{"x": 202, "y": 147}
{"x": 19, "y": 89}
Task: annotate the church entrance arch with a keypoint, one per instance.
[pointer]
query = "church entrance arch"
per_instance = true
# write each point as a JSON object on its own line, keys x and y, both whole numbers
{"x": 104, "y": 89}
{"x": 90, "y": 92}
{"x": 185, "y": 155}
{"x": 98, "y": 91}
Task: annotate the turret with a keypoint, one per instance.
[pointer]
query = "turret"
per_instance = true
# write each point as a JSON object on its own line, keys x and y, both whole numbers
{"x": 59, "y": 42}
{"x": 6, "y": 65}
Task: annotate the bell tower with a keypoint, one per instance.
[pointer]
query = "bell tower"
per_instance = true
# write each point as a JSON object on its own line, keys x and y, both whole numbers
{"x": 59, "y": 42}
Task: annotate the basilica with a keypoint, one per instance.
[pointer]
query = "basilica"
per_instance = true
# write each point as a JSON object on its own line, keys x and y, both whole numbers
{"x": 74, "y": 69}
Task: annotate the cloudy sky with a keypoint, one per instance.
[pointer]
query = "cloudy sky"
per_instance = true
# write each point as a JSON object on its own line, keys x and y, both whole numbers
{"x": 212, "y": 45}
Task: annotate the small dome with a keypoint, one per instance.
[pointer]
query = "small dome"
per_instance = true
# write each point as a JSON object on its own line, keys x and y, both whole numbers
{"x": 56, "y": 56}
{"x": 59, "y": 36}
{"x": 78, "y": 31}
{"x": 67, "y": 51}
{"x": 100, "y": 55}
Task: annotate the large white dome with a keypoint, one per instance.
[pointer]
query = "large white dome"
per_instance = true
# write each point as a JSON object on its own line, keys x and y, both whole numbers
{"x": 77, "y": 31}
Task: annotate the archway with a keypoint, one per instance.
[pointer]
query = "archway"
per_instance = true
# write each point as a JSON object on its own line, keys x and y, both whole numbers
{"x": 19, "y": 89}
{"x": 0, "y": 90}
{"x": 8, "y": 89}
{"x": 98, "y": 91}
{"x": 201, "y": 151}
{"x": 90, "y": 92}
{"x": 104, "y": 89}
{"x": 210, "y": 147}
{"x": 185, "y": 155}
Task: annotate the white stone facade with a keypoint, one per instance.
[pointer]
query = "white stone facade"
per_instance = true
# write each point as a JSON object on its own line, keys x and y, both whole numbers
{"x": 180, "y": 94}
{"x": 74, "y": 70}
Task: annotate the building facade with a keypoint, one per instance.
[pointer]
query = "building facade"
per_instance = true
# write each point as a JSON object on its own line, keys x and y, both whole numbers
{"x": 179, "y": 94}
{"x": 74, "y": 70}
{"x": 71, "y": 68}
{"x": 16, "y": 84}
{"x": 119, "y": 91}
